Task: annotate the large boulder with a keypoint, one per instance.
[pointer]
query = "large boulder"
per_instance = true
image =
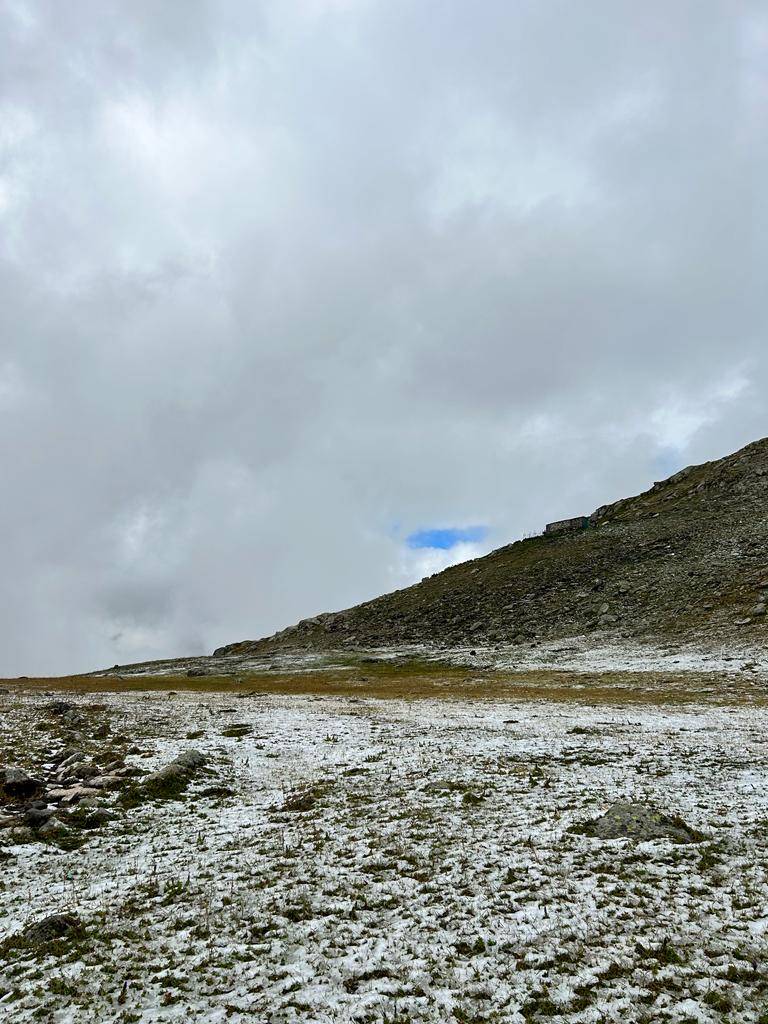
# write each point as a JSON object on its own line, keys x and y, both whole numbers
{"x": 60, "y": 707}
{"x": 57, "y": 926}
{"x": 16, "y": 784}
{"x": 168, "y": 782}
{"x": 639, "y": 821}
{"x": 54, "y": 829}
{"x": 36, "y": 817}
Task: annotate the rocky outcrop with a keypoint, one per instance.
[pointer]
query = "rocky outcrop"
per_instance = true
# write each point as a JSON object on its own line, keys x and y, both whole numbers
{"x": 66, "y": 795}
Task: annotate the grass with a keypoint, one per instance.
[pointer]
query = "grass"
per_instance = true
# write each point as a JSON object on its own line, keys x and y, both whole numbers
{"x": 363, "y": 850}
{"x": 417, "y": 680}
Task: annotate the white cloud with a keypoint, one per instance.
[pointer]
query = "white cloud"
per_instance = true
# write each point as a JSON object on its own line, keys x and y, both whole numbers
{"x": 415, "y": 565}
{"x": 676, "y": 422}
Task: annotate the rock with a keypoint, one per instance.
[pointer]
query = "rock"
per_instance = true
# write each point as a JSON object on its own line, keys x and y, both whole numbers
{"x": 189, "y": 759}
{"x": 639, "y": 821}
{"x": 71, "y": 794}
{"x": 89, "y": 817}
{"x": 54, "y": 828}
{"x": 106, "y": 782}
{"x": 167, "y": 783}
{"x": 36, "y": 817}
{"x": 194, "y": 672}
{"x": 57, "y": 926}
{"x": 217, "y": 791}
{"x": 20, "y": 836}
{"x": 237, "y": 730}
{"x": 67, "y": 758}
{"x": 59, "y": 707}
{"x": 16, "y": 784}
{"x": 72, "y": 771}
{"x": 759, "y": 608}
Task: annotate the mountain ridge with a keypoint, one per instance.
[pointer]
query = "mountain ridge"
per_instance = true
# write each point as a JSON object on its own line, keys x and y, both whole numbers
{"x": 687, "y": 558}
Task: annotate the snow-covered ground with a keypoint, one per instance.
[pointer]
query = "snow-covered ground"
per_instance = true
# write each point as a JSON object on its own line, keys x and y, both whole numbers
{"x": 586, "y": 654}
{"x": 591, "y": 654}
{"x": 431, "y": 876}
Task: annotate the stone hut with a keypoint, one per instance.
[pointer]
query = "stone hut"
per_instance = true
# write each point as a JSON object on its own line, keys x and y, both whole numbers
{"x": 567, "y": 525}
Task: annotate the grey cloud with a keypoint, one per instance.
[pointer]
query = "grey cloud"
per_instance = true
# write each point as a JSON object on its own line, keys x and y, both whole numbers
{"x": 280, "y": 280}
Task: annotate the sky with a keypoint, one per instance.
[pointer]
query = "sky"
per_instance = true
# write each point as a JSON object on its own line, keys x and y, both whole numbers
{"x": 302, "y": 300}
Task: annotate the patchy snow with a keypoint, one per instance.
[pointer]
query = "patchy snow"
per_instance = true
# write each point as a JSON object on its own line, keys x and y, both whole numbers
{"x": 590, "y": 654}
{"x": 282, "y": 661}
{"x": 431, "y": 877}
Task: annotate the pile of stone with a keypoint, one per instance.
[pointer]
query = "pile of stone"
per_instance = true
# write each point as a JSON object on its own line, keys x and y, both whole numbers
{"x": 71, "y": 794}
{"x": 36, "y": 811}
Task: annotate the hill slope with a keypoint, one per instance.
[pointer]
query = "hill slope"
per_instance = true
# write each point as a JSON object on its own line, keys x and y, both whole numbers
{"x": 687, "y": 558}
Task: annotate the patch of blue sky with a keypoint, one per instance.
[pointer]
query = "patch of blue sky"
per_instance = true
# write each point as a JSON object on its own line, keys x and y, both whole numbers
{"x": 445, "y": 538}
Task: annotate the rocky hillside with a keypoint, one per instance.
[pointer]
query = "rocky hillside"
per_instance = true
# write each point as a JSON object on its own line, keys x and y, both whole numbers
{"x": 688, "y": 558}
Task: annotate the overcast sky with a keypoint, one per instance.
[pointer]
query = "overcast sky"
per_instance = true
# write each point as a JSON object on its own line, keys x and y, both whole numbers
{"x": 285, "y": 286}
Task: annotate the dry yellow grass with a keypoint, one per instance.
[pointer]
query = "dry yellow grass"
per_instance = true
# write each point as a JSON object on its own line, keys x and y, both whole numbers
{"x": 422, "y": 680}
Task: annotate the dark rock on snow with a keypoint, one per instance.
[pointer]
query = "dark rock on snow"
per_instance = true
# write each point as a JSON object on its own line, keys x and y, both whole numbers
{"x": 639, "y": 821}
{"x": 57, "y": 926}
{"x": 16, "y": 784}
